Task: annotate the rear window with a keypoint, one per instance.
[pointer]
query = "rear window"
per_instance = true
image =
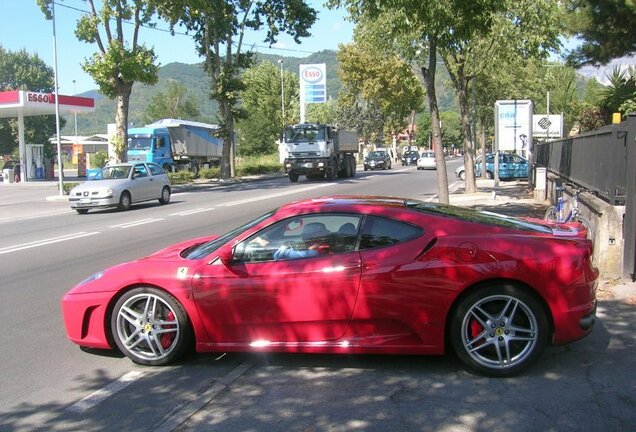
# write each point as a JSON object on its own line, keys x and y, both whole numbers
{"x": 477, "y": 216}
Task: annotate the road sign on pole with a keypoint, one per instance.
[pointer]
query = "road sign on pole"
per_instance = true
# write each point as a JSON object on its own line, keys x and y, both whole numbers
{"x": 313, "y": 86}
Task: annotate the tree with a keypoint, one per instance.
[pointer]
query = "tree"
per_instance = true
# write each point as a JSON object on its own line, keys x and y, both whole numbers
{"x": 175, "y": 102}
{"x": 119, "y": 62}
{"x": 379, "y": 79}
{"x": 263, "y": 122}
{"x": 606, "y": 28}
{"x": 417, "y": 31}
{"x": 618, "y": 96}
{"x": 23, "y": 71}
{"x": 218, "y": 28}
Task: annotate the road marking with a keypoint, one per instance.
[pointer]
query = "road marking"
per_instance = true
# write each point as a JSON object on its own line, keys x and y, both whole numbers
{"x": 105, "y": 392}
{"x": 274, "y": 195}
{"x": 44, "y": 242}
{"x": 193, "y": 211}
{"x": 135, "y": 223}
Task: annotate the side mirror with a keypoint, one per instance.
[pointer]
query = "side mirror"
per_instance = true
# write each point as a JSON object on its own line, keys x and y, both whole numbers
{"x": 226, "y": 256}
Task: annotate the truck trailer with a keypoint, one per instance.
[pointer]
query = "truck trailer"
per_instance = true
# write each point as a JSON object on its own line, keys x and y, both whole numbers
{"x": 176, "y": 145}
{"x": 317, "y": 151}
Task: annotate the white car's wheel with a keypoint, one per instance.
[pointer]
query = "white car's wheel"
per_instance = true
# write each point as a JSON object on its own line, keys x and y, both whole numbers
{"x": 165, "y": 195}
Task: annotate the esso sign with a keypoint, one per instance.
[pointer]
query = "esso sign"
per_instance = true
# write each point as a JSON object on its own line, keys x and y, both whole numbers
{"x": 40, "y": 97}
{"x": 312, "y": 75}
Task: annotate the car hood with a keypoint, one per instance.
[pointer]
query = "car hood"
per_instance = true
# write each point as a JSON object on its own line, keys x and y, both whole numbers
{"x": 96, "y": 184}
{"x": 376, "y": 158}
{"x": 174, "y": 251}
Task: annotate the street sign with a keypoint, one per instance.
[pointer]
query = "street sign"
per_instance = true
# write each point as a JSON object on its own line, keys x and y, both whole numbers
{"x": 547, "y": 126}
{"x": 513, "y": 121}
{"x": 313, "y": 86}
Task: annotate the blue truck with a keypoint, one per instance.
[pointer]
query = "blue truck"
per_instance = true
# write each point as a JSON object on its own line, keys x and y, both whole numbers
{"x": 176, "y": 145}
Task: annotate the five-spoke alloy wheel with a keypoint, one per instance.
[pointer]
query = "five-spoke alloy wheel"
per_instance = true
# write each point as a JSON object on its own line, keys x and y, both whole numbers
{"x": 500, "y": 330}
{"x": 150, "y": 326}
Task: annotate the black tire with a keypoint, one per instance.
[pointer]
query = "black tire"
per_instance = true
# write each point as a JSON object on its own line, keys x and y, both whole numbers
{"x": 348, "y": 166}
{"x": 489, "y": 175}
{"x": 293, "y": 177}
{"x": 462, "y": 175}
{"x": 124, "y": 201}
{"x": 499, "y": 330}
{"x": 81, "y": 211}
{"x": 165, "y": 195}
{"x": 330, "y": 172}
{"x": 150, "y": 327}
{"x": 551, "y": 214}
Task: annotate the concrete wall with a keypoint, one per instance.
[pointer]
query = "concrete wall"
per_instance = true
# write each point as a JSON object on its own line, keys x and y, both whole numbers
{"x": 606, "y": 220}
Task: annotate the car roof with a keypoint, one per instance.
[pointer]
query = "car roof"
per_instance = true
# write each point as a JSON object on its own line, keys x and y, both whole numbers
{"x": 342, "y": 201}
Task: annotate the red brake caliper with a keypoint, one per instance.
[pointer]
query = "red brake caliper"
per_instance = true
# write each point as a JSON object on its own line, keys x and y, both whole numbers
{"x": 475, "y": 328}
{"x": 168, "y": 338}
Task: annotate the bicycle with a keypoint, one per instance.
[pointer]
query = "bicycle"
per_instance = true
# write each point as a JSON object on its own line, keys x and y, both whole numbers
{"x": 556, "y": 212}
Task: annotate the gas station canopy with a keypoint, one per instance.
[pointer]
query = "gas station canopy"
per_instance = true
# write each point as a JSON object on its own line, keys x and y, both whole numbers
{"x": 21, "y": 103}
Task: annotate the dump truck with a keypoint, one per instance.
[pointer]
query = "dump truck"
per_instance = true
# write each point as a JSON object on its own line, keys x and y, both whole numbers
{"x": 318, "y": 151}
{"x": 176, "y": 145}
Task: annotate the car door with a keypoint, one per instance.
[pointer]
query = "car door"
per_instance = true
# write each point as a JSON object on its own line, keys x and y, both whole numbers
{"x": 505, "y": 167}
{"x": 520, "y": 167}
{"x": 141, "y": 183}
{"x": 158, "y": 179}
{"x": 260, "y": 300}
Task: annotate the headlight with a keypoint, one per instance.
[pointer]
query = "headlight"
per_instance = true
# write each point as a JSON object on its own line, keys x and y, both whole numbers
{"x": 321, "y": 164}
{"x": 92, "y": 278}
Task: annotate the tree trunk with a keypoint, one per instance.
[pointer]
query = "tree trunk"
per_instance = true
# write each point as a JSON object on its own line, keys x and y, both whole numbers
{"x": 226, "y": 170}
{"x": 469, "y": 145}
{"x": 121, "y": 121}
{"x": 440, "y": 162}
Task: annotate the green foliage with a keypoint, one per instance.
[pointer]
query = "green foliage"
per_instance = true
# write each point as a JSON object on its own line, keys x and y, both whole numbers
{"x": 255, "y": 165}
{"x": 23, "y": 71}
{"x": 606, "y": 28}
{"x": 176, "y": 102}
{"x": 99, "y": 160}
{"x": 618, "y": 96}
{"x": 590, "y": 118}
{"x": 209, "y": 173}
{"x": 181, "y": 177}
{"x": 68, "y": 186}
{"x": 451, "y": 129}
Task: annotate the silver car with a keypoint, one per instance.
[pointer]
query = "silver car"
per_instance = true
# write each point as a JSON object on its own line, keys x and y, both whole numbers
{"x": 426, "y": 161}
{"x": 122, "y": 185}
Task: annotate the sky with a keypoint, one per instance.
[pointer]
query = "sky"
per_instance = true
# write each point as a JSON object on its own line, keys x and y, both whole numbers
{"x": 24, "y": 27}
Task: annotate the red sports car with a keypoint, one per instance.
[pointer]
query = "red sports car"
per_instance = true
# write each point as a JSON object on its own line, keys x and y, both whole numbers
{"x": 350, "y": 274}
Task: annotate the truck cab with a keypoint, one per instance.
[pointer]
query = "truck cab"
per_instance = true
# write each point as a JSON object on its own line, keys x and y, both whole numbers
{"x": 149, "y": 144}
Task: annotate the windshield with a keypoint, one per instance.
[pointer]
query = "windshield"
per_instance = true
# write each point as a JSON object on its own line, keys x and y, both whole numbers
{"x": 305, "y": 134}
{"x": 139, "y": 143}
{"x": 207, "y": 248}
{"x": 113, "y": 172}
{"x": 376, "y": 154}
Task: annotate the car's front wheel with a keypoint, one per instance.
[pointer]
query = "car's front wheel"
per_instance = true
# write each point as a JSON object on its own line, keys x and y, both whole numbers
{"x": 81, "y": 211}
{"x": 499, "y": 330}
{"x": 150, "y": 327}
{"x": 124, "y": 201}
{"x": 462, "y": 175}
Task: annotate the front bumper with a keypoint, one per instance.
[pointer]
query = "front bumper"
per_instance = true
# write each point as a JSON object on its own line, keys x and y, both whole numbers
{"x": 305, "y": 165}
{"x": 85, "y": 319}
{"x": 91, "y": 203}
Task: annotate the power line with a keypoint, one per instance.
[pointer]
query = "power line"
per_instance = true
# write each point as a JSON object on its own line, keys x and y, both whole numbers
{"x": 83, "y": 11}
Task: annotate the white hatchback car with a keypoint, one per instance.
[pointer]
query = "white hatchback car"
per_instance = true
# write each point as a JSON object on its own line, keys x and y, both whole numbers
{"x": 426, "y": 160}
{"x": 122, "y": 185}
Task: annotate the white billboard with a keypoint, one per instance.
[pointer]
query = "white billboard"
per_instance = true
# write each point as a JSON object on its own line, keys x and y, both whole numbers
{"x": 547, "y": 126}
{"x": 313, "y": 85}
{"x": 513, "y": 125}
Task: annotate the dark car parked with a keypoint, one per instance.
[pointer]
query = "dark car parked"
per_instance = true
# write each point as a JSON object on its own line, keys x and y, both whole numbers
{"x": 410, "y": 158}
{"x": 377, "y": 160}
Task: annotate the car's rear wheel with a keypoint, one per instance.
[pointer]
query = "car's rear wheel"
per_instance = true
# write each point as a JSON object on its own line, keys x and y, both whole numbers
{"x": 489, "y": 175}
{"x": 462, "y": 175}
{"x": 499, "y": 330}
{"x": 165, "y": 195}
{"x": 150, "y": 327}
{"x": 124, "y": 201}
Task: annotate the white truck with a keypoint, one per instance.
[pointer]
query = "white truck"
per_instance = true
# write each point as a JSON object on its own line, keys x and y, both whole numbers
{"x": 317, "y": 151}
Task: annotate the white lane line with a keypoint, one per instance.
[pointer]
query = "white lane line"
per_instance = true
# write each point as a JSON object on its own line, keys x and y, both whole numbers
{"x": 38, "y": 243}
{"x": 274, "y": 195}
{"x": 105, "y": 392}
{"x": 135, "y": 223}
{"x": 193, "y": 211}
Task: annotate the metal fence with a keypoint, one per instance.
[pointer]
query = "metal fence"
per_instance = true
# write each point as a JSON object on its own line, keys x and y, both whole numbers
{"x": 604, "y": 163}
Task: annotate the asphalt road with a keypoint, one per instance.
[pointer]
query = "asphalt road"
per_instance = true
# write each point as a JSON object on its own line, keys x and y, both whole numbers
{"x": 49, "y": 384}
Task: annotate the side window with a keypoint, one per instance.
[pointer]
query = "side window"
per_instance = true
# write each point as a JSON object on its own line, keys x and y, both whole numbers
{"x": 302, "y": 237}
{"x": 160, "y": 142}
{"x": 156, "y": 169}
{"x": 380, "y": 232}
{"x": 140, "y": 171}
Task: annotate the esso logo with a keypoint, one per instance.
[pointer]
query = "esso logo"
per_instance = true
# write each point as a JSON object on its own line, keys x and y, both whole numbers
{"x": 312, "y": 74}
{"x": 40, "y": 97}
